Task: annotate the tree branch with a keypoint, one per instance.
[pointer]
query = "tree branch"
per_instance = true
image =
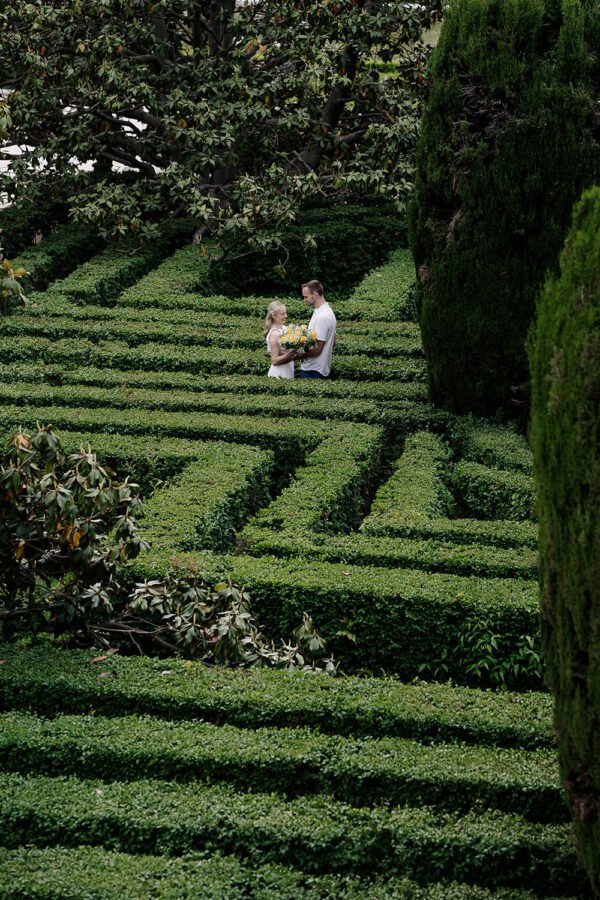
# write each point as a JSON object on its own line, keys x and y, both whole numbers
{"x": 127, "y": 159}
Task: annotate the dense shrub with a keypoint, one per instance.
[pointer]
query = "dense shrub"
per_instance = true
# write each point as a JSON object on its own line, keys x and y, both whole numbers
{"x": 508, "y": 142}
{"x": 336, "y": 245}
{"x": 565, "y": 432}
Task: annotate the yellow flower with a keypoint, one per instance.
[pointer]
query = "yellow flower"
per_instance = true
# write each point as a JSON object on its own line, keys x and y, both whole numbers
{"x": 303, "y": 339}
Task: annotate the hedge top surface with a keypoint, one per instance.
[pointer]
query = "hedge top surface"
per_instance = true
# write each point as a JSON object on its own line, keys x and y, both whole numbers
{"x": 51, "y": 681}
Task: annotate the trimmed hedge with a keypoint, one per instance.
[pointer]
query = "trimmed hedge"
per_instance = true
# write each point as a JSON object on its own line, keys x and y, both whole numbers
{"x": 409, "y": 504}
{"x": 399, "y": 618}
{"x": 461, "y": 531}
{"x": 291, "y": 762}
{"x": 390, "y": 287}
{"x": 369, "y": 550}
{"x": 330, "y": 491}
{"x": 57, "y": 254}
{"x": 78, "y": 396}
{"x": 212, "y": 498}
{"x": 97, "y": 874}
{"x": 289, "y": 439}
{"x": 102, "y": 278}
{"x": 491, "y": 849}
{"x": 494, "y": 446}
{"x": 388, "y": 392}
{"x": 219, "y": 334}
{"x": 416, "y": 488}
{"x": 493, "y": 493}
{"x": 48, "y": 681}
{"x": 157, "y": 357}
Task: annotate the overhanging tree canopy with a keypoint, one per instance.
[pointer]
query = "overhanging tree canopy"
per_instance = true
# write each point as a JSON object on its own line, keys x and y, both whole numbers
{"x": 230, "y": 112}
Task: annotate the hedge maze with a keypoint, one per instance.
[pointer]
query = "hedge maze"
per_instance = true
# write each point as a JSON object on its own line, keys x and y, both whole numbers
{"x": 404, "y": 532}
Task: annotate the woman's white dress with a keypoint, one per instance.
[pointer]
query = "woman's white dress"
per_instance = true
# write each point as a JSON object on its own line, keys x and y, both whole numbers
{"x": 287, "y": 369}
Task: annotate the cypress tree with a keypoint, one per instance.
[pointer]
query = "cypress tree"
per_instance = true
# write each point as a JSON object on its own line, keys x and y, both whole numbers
{"x": 565, "y": 435}
{"x": 508, "y": 143}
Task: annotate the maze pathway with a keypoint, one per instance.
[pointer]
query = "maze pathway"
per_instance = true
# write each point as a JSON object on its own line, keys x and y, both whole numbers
{"x": 395, "y": 525}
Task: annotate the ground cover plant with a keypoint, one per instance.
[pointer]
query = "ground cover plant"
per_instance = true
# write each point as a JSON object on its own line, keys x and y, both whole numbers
{"x": 406, "y": 534}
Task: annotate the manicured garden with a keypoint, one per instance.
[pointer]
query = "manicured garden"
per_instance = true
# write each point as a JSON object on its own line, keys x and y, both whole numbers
{"x": 405, "y": 532}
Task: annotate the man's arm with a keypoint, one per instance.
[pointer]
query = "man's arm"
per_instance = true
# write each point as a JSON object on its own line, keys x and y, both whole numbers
{"x": 316, "y": 350}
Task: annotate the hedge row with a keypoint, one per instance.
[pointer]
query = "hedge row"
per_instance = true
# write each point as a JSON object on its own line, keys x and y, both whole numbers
{"x": 158, "y": 357}
{"x": 291, "y": 762}
{"x": 76, "y": 396}
{"x": 97, "y": 874}
{"x": 57, "y": 254}
{"x": 330, "y": 491}
{"x": 509, "y": 534}
{"x": 388, "y": 392}
{"x": 392, "y": 286}
{"x": 427, "y": 555}
{"x": 212, "y": 498}
{"x": 290, "y": 439}
{"x": 49, "y": 682}
{"x": 397, "y": 618}
{"x": 217, "y": 334}
{"x": 103, "y": 277}
{"x": 56, "y": 305}
{"x": 493, "y": 493}
{"x": 416, "y": 489}
{"x": 415, "y": 501}
{"x": 487, "y": 848}
{"x": 142, "y": 458}
{"x": 252, "y": 306}
{"x": 494, "y": 446}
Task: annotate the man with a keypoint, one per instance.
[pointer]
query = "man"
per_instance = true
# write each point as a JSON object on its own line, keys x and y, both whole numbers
{"x": 316, "y": 363}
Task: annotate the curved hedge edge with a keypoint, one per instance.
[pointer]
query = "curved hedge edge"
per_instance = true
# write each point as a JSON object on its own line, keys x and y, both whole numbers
{"x": 209, "y": 500}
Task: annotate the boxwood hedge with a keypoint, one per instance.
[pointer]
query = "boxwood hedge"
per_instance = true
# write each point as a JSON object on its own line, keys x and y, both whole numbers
{"x": 291, "y": 762}
{"x": 48, "y": 682}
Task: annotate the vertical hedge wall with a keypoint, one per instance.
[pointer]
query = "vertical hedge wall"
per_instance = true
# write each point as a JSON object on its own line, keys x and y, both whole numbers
{"x": 565, "y": 434}
{"x": 508, "y": 143}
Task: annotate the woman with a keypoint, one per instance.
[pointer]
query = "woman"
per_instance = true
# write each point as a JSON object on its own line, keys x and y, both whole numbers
{"x": 282, "y": 364}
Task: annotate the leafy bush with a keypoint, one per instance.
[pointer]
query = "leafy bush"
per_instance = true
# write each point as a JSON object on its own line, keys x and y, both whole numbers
{"x": 66, "y": 524}
{"x": 492, "y": 656}
{"x": 11, "y": 290}
{"x": 335, "y": 245}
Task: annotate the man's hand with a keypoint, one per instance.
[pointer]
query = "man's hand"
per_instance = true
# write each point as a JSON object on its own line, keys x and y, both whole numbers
{"x": 316, "y": 351}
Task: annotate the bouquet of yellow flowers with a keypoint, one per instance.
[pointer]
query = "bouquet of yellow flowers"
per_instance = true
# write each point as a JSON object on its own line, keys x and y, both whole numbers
{"x": 298, "y": 337}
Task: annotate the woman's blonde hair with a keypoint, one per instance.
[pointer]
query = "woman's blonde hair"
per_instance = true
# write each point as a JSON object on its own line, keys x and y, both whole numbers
{"x": 272, "y": 310}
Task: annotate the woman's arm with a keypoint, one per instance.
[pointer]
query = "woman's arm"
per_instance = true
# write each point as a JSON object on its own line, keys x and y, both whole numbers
{"x": 277, "y": 357}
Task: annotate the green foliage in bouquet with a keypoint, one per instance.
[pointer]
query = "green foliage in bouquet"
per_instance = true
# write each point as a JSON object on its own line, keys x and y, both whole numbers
{"x": 508, "y": 141}
{"x": 565, "y": 436}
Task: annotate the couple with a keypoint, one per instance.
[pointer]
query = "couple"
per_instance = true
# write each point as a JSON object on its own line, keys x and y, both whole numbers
{"x": 316, "y": 363}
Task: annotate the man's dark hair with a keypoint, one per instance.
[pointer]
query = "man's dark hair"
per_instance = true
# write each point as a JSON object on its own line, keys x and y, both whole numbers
{"x": 315, "y": 287}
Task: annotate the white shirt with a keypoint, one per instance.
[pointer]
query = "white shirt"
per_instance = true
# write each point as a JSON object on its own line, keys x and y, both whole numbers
{"x": 324, "y": 323}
